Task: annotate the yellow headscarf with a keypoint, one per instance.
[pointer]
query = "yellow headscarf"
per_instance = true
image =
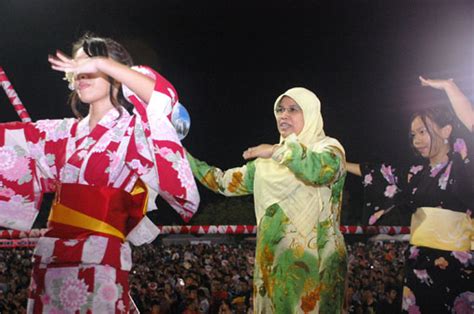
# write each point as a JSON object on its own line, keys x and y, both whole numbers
{"x": 275, "y": 183}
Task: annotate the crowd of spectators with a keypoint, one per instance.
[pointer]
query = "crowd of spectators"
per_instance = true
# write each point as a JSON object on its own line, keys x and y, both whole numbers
{"x": 15, "y": 270}
{"x": 375, "y": 277}
{"x": 217, "y": 278}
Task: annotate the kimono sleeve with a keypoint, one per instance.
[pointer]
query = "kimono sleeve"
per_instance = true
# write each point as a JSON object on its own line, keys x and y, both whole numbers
{"x": 385, "y": 189}
{"x": 29, "y": 153}
{"x": 232, "y": 182}
{"x": 173, "y": 180}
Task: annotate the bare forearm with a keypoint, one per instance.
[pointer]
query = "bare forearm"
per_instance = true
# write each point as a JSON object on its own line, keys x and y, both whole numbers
{"x": 353, "y": 168}
{"x": 461, "y": 104}
{"x": 137, "y": 82}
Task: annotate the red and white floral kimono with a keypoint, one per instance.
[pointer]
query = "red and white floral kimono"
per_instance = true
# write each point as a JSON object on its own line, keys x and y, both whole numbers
{"x": 105, "y": 179}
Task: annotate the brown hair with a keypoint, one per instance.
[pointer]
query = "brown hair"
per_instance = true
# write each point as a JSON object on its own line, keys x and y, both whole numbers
{"x": 98, "y": 46}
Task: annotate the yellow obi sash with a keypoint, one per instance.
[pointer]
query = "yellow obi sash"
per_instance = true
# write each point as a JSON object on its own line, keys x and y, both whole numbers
{"x": 441, "y": 229}
{"x": 81, "y": 210}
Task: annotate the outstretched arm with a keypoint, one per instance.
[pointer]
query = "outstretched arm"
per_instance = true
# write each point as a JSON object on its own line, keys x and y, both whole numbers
{"x": 231, "y": 182}
{"x": 461, "y": 104}
{"x": 137, "y": 82}
{"x": 353, "y": 168}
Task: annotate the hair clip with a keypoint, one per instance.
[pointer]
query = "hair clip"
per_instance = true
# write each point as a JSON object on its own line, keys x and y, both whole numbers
{"x": 69, "y": 76}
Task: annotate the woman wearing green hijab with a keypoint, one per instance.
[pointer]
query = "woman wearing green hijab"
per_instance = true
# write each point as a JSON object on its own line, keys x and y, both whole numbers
{"x": 297, "y": 184}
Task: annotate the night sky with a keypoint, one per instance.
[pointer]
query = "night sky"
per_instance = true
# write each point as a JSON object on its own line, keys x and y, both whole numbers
{"x": 229, "y": 60}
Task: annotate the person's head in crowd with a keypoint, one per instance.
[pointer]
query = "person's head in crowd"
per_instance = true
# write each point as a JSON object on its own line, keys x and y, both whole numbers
{"x": 391, "y": 293}
{"x": 155, "y": 307}
{"x": 192, "y": 292}
{"x": 239, "y": 305}
{"x": 216, "y": 285}
{"x": 224, "y": 307}
{"x": 243, "y": 285}
{"x": 368, "y": 296}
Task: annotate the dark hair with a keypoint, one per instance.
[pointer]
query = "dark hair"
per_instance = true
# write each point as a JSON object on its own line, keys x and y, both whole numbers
{"x": 441, "y": 116}
{"x": 99, "y": 46}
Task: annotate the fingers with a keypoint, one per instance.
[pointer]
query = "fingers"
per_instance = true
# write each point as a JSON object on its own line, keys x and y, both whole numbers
{"x": 249, "y": 153}
{"x": 424, "y": 82}
{"x": 57, "y": 64}
{"x": 62, "y": 56}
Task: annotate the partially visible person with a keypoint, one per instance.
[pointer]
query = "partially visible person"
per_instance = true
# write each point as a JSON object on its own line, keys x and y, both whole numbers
{"x": 224, "y": 307}
{"x": 439, "y": 193}
{"x": 106, "y": 169}
{"x": 389, "y": 304}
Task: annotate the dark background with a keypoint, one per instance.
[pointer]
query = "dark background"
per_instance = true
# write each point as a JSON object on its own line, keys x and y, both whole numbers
{"x": 229, "y": 60}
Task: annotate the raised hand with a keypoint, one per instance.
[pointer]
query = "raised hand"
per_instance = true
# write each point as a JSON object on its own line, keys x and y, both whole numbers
{"x": 63, "y": 63}
{"x": 460, "y": 103}
{"x": 438, "y": 84}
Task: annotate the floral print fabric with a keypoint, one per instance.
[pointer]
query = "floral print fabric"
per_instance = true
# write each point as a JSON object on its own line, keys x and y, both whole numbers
{"x": 90, "y": 273}
{"x": 293, "y": 273}
{"x": 436, "y": 281}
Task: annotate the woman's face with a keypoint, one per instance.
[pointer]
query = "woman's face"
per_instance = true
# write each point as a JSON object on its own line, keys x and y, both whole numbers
{"x": 289, "y": 117}
{"x": 427, "y": 146}
{"x": 91, "y": 87}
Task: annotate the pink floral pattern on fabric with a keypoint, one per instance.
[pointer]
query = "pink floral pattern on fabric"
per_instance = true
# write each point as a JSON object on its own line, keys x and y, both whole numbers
{"x": 443, "y": 179}
{"x": 367, "y": 179}
{"x": 73, "y": 294}
{"x": 436, "y": 169}
{"x": 464, "y": 303}
{"x": 108, "y": 292}
{"x": 409, "y": 302}
{"x": 14, "y": 166}
{"x": 54, "y": 130}
{"x": 423, "y": 276}
{"x": 387, "y": 173}
{"x": 390, "y": 191}
{"x": 460, "y": 147}
{"x": 415, "y": 169}
{"x": 414, "y": 251}
{"x": 462, "y": 257}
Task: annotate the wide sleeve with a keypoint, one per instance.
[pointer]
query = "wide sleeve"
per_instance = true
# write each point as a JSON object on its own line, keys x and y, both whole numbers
{"x": 385, "y": 188}
{"x": 232, "y": 182}
{"x": 30, "y": 156}
{"x": 463, "y": 166}
{"x": 156, "y": 139}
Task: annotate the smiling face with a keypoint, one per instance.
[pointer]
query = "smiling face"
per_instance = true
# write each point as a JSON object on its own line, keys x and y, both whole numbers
{"x": 428, "y": 138}
{"x": 289, "y": 117}
{"x": 91, "y": 88}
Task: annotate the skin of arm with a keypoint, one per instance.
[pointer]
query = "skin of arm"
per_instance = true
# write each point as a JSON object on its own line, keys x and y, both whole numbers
{"x": 319, "y": 168}
{"x": 138, "y": 83}
{"x": 460, "y": 103}
{"x": 353, "y": 168}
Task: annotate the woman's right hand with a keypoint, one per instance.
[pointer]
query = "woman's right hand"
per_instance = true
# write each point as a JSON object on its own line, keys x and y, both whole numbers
{"x": 63, "y": 63}
{"x": 437, "y": 84}
{"x": 260, "y": 151}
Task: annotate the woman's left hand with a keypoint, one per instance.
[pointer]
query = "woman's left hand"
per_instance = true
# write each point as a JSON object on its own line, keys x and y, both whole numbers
{"x": 262, "y": 151}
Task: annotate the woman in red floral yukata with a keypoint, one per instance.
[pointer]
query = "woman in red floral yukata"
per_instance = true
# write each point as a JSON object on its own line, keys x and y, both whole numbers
{"x": 106, "y": 169}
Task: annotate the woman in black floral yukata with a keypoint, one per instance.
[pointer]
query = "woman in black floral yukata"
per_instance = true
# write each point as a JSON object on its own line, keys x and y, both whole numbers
{"x": 439, "y": 193}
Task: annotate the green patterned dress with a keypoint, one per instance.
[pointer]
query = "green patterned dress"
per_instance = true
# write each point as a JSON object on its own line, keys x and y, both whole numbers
{"x": 293, "y": 273}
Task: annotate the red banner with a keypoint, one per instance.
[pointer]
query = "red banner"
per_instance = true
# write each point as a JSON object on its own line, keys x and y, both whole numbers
{"x": 222, "y": 229}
